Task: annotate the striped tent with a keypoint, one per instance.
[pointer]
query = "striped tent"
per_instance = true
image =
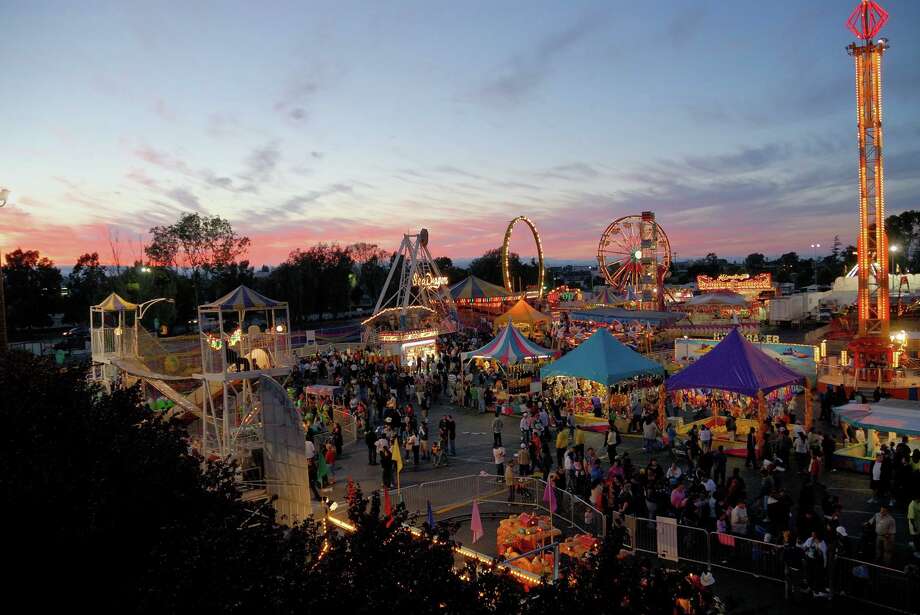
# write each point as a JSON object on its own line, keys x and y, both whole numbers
{"x": 509, "y": 347}
{"x": 473, "y": 290}
{"x": 242, "y": 298}
{"x": 115, "y": 303}
{"x": 607, "y": 296}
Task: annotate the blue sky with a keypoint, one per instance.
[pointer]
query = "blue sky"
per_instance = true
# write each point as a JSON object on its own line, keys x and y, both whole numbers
{"x": 355, "y": 121}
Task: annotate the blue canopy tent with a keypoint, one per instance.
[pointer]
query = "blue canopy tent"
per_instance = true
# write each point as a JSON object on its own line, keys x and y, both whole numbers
{"x": 603, "y": 359}
{"x": 735, "y": 365}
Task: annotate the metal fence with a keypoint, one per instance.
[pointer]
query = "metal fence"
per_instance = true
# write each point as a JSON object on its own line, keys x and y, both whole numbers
{"x": 456, "y": 493}
{"x": 851, "y": 580}
{"x": 874, "y": 585}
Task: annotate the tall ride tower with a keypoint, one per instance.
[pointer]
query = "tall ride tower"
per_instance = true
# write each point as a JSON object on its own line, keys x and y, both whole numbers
{"x": 872, "y": 343}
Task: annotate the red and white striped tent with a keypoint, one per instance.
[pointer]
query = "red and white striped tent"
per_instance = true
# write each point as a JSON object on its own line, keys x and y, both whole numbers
{"x": 509, "y": 347}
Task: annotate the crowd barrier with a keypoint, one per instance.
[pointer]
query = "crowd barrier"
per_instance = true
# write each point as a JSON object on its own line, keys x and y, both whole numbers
{"x": 874, "y": 585}
{"x": 854, "y": 581}
{"x": 456, "y": 493}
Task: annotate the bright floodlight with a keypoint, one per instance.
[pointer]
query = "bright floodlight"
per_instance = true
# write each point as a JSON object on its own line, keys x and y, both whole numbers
{"x": 894, "y": 248}
{"x": 638, "y": 254}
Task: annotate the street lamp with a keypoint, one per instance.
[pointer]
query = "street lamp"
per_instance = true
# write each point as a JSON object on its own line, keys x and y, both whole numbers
{"x": 894, "y": 253}
{"x": 814, "y": 248}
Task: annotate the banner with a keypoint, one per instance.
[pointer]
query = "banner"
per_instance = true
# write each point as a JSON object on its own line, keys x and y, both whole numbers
{"x": 667, "y": 537}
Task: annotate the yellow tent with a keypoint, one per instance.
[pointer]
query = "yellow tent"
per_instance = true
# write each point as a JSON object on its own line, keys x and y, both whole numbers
{"x": 522, "y": 314}
{"x": 114, "y": 303}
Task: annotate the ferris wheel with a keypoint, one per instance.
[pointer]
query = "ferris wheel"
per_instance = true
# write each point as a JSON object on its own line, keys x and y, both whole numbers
{"x": 634, "y": 255}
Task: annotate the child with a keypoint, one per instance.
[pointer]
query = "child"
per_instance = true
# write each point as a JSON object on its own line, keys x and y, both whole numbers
{"x": 330, "y": 461}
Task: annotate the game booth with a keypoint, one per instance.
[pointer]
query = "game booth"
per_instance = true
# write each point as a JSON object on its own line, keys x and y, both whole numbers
{"x": 866, "y": 426}
{"x": 523, "y": 316}
{"x": 604, "y": 369}
{"x": 516, "y": 357}
{"x": 736, "y": 378}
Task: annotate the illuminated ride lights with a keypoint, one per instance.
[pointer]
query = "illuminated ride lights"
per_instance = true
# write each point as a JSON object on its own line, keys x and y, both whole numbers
{"x": 872, "y": 244}
{"x": 506, "y": 253}
{"x": 634, "y": 255}
{"x": 735, "y": 282}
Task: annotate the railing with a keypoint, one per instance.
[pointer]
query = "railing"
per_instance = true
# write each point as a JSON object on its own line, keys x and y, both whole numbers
{"x": 874, "y": 585}
{"x": 870, "y": 377}
{"x": 276, "y": 346}
{"x": 853, "y": 580}
{"x": 453, "y": 493}
{"x": 108, "y": 341}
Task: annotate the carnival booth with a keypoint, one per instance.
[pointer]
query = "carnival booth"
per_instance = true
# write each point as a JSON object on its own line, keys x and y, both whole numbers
{"x": 866, "y": 426}
{"x": 524, "y": 317}
{"x": 736, "y": 378}
{"x": 717, "y": 306}
{"x": 601, "y": 368}
{"x": 514, "y": 355}
{"x": 474, "y": 292}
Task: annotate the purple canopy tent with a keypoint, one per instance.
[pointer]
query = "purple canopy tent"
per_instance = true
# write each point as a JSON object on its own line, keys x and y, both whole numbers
{"x": 736, "y": 365}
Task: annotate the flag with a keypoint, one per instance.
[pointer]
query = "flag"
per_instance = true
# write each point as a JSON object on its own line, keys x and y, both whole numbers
{"x": 549, "y": 496}
{"x": 430, "y": 516}
{"x": 387, "y": 509}
{"x": 397, "y": 457}
{"x": 476, "y": 523}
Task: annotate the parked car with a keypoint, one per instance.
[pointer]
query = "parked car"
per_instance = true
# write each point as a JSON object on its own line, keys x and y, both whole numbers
{"x": 78, "y": 331}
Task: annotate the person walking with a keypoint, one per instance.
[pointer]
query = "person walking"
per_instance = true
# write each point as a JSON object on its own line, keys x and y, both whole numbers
{"x": 524, "y": 460}
{"x": 423, "y": 439}
{"x": 612, "y": 441}
{"x": 885, "y": 530}
{"x": 562, "y": 443}
{"x": 452, "y": 434}
{"x": 719, "y": 463}
{"x": 751, "y": 460}
{"x": 650, "y": 433}
{"x": 413, "y": 444}
{"x": 370, "y": 439}
{"x": 498, "y": 455}
{"x": 497, "y": 426}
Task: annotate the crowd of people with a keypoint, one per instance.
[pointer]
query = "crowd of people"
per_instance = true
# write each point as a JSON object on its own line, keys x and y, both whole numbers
{"x": 786, "y": 504}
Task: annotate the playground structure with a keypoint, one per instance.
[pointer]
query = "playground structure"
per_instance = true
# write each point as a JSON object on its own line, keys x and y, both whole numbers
{"x": 634, "y": 257}
{"x": 506, "y": 253}
{"x": 223, "y": 384}
{"x": 413, "y": 311}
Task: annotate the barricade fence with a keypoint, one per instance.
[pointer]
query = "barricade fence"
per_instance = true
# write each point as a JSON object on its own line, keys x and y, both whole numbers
{"x": 853, "y": 580}
{"x": 874, "y": 585}
{"x": 456, "y": 493}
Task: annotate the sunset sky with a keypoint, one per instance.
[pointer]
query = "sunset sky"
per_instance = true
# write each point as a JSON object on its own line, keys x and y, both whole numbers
{"x": 343, "y": 121}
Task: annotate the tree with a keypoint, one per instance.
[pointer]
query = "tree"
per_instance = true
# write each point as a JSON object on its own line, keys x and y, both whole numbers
{"x": 196, "y": 242}
{"x": 87, "y": 285}
{"x": 488, "y": 267}
{"x": 33, "y": 289}
{"x": 447, "y": 268}
{"x": 89, "y": 470}
{"x": 315, "y": 280}
{"x": 371, "y": 266}
{"x": 755, "y": 263}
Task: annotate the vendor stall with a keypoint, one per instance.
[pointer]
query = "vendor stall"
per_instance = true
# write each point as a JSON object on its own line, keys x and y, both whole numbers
{"x": 513, "y": 354}
{"x": 591, "y": 370}
{"x": 867, "y": 426}
{"x": 525, "y": 317}
{"x": 737, "y": 367}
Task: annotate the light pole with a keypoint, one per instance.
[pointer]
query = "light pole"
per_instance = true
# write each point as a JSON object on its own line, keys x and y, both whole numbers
{"x": 4, "y": 198}
{"x": 894, "y": 255}
{"x": 814, "y": 248}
